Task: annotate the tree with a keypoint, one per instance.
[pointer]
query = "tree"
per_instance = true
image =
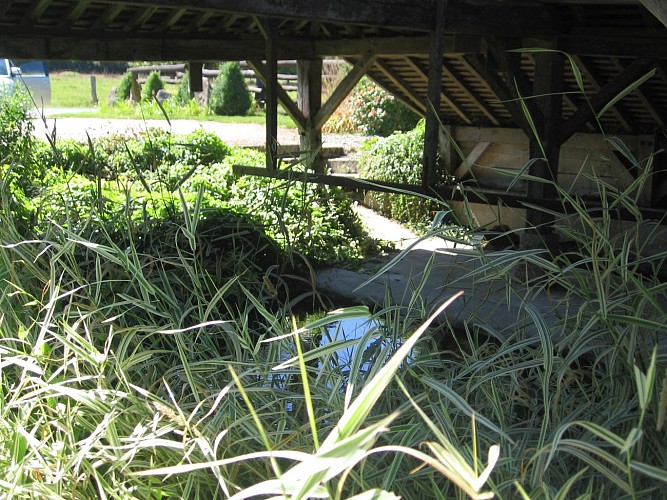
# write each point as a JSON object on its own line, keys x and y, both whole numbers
{"x": 230, "y": 95}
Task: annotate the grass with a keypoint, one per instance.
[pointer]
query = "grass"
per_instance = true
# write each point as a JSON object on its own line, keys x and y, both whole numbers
{"x": 73, "y": 90}
{"x": 132, "y": 370}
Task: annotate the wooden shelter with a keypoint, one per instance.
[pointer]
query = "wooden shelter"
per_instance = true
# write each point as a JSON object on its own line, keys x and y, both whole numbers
{"x": 464, "y": 64}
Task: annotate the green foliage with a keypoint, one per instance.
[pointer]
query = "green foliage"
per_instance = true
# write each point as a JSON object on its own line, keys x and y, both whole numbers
{"x": 183, "y": 93}
{"x": 398, "y": 158}
{"x": 376, "y": 112}
{"x": 151, "y": 87}
{"x": 229, "y": 95}
{"x": 16, "y": 127}
{"x": 125, "y": 86}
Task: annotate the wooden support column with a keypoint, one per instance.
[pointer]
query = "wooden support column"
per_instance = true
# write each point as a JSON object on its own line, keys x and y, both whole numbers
{"x": 195, "y": 72}
{"x": 309, "y": 100}
{"x": 545, "y": 149}
{"x": 271, "y": 87}
{"x": 432, "y": 133}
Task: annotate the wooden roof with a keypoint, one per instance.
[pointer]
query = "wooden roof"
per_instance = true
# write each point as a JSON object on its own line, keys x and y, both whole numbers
{"x": 612, "y": 43}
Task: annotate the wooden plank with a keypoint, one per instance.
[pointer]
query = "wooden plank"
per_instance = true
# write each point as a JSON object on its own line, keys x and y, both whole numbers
{"x": 466, "y": 166}
{"x": 138, "y": 20}
{"x": 73, "y": 14}
{"x": 342, "y": 90}
{"x": 587, "y": 45}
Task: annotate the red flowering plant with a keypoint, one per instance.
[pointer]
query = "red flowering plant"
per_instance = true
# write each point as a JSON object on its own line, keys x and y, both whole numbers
{"x": 377, "y": 112}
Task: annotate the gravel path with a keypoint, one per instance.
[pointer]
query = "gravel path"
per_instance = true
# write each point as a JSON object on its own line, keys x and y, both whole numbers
{"x": 234, "y": 134}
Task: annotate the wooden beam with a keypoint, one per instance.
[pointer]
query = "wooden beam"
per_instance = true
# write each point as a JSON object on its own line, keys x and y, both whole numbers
{"x": 309, "y": 95}
{"x": 594, "y": 80}
{"x": 642, "y": 95}
{"x": 587, "y": 45}
{"x": 413, "y": 101}
{"x": 398, "y": 45}
{"x": 470, "y": 92}
{"x": 456, "y": 106}
{"x": 455, "y": 192}
{"x": 37, "y": 8}
{"x": 342, "y": 90}
{"x": 195, "y": 74}
{"x": 290, "y": 107}
{"x": 271, "y": 86}
{"x": 596, "y": 103}
{"x": 544, "y": 149}
{"x": 658, "y": 8}
{"x": 74, "y": 13}
{"x": 140, "y": 18}
{"x": 500, "y": 88}
{"x": 110, "y": 13}
{"x": 416, "y": 14}
{"x": 465, "y": 167}
{"x": 432, "y": 135}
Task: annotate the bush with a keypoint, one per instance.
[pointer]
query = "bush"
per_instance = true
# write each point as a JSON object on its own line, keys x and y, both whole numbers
{"x": 376, "y": 112}
{"x": 125, "y": 87}
{"x": 16, "y": 128}
{"x": 230, "y": 95}
{"x": 151, "y": 87}
{"x": 183, "y": 93}
{"x": 398, "y": 158}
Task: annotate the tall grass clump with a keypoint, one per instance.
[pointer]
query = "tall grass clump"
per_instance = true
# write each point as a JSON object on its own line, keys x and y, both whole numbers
{"x": 151, "y": 345}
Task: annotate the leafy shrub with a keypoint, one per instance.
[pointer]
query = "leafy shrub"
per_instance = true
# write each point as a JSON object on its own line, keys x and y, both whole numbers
{"x": 125, "y": 86}
{"x": 230, "y": 95}
{"x": 183, "y": 92}
{"x": 151, "y": 87}
{"x": 16, "y": 127}
{"x": 376, "y": 112}
{"x": 397, "y": 158}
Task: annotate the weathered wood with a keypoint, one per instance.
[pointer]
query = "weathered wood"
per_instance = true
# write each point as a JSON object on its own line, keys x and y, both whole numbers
{"x": 588, "y": 45}
{"x": 285, "y": 100}
{"x": 593, "y": 79}
{"x": 466, "y": 166}
{"x": 658, "y": 8}
{"x": 195, "y": 84}
{"x": 310, "y": 102}
{"x": 342, "y": 90}
{"x": 451, "y": 192}
{"x": 448, "y": 99}
{"x": 544, "y": 148}
{"x": 431, "y": 135}
{"x": 470, "y": 92}
{"x": 415, "y": 14}
{"x": 596, "y": 103}
{"x": 414, "y": 101}
{"x": 271, "y": 85}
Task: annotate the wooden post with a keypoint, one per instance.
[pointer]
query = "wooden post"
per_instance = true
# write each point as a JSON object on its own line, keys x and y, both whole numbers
{"x": 432, "y": 133}
{"x": 93, "y": 89}
{"x": 271, "y": 96}
{"x": 545, "y": 148}
{"x": 195, "y": 84}
{"x": 309, "y": 100}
